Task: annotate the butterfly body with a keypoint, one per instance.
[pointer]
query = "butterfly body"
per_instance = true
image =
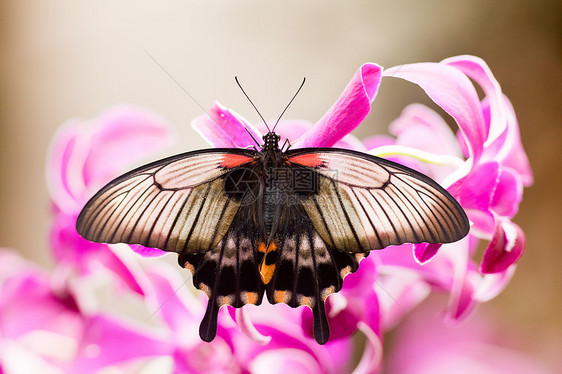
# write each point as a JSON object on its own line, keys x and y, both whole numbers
{"x": 286, "y": 224}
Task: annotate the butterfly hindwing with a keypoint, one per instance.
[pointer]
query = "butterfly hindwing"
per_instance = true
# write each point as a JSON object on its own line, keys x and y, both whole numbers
{"x": 228, "y": 273}
{"x": 365, "y": 202}
{"x": 176, "y": 204}
{"x": 299, "y": 268}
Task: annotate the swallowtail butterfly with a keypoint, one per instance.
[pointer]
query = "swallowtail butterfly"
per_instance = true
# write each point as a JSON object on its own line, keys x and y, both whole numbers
{"x": 286, "y": 224}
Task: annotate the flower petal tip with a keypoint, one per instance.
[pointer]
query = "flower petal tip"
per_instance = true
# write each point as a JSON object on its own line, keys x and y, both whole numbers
{"x": 424, "y": 252}
{"x": 248, "y": 327}
{"x": 505, "y": 248}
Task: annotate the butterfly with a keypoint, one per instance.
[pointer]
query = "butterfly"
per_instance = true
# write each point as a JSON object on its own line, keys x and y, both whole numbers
{"x": 286, "y": 224}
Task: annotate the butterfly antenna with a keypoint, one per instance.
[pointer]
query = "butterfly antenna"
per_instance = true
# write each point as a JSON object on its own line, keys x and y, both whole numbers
{"x": 284, "y": 110}
{"x": 247, "y": 97}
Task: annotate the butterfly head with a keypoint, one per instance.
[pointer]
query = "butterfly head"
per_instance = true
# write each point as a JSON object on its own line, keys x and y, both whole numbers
{"x": 270, "y": 141}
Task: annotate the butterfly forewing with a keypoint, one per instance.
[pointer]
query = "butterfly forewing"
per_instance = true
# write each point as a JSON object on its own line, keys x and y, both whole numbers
{"x": 176, "y": 204}
{"x": 366, "y": 202}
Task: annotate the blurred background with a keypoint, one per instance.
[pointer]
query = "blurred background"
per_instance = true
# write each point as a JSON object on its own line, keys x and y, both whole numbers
{"x": 64, "y": 59}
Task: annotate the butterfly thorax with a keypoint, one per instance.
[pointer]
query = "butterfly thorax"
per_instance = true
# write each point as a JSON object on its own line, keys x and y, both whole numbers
{"x": 270, "y": 142}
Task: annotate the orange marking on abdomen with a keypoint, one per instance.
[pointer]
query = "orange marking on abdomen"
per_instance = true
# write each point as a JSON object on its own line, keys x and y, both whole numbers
{"x": 271, "y": 248}
{"x": 266, "y": 272}
{"x": 310, "y": 159}
{"x": 233, "y": 160}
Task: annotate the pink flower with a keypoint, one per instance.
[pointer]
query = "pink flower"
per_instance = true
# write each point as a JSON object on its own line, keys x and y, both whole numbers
{"x": 488, "y": 183}
{"x": 85, "y": 155}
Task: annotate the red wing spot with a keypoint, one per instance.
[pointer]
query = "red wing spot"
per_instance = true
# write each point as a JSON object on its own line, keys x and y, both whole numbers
{"x": 309, "y": 159}
{"x": 232, "y": 160}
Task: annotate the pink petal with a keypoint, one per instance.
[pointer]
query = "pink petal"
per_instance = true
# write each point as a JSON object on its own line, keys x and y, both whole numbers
{"x": 351, "y": 108}
{"x": 288, "y": 129}
{"x": 245, "y": 324}
{"x": 147, "y": 251}
{"x": 376, "y": 141}
{"x": 361, "y": 303}
{"x": 423, "y": 344}
{"x": 478, "y": 186}
{"x": 453, "y": 92}
{"x": 420, "y": 127}
{"x": 371, "y": 360}
{"x": 28, "y": 303}
{"x": 476, "y": 69}
{"x": 107, "y": 342}
{"x": 285, "y": 360}
{"x": 504, "y": 249}
{"x": 283, "y": 324}
{"x": 66, "y": 156}
{"x": 483, "y": 222}
{"x": 508, "y": 150}
{"x": 223, "y": 128}
{"x": 122, "y": 136}
{"x": 461, "y": 302}
{"x": 461, "y": 299}
{"x": 508, "y": 193}
{"x": 127, "y": 271}
{"x": 83, "y": 156}
{"x": 503, "y": 130}
{"x": 492, "y": 284}
{"x": 350, "y": 142}
{"x": 70, "y": 249}
{"x": 402, "y": 289}
{"x": 174, "y": 303}
{"x": 425, "y": 251}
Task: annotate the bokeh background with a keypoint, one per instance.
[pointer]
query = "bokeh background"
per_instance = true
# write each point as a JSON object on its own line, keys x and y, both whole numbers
{"x": 65, "y": 59}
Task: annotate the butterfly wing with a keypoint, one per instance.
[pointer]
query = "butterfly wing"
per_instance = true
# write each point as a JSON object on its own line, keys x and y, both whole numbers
{"x": 176, "y": 204}
{"x": 366, "y": 202}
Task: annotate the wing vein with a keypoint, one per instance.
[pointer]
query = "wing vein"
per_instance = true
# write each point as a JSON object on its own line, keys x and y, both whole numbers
{"x": 367, "y": 215}
{"x": 346, "y": 215}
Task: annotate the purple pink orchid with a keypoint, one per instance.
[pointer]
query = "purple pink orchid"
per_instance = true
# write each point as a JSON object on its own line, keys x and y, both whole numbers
{"x": 51, "y": 319}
